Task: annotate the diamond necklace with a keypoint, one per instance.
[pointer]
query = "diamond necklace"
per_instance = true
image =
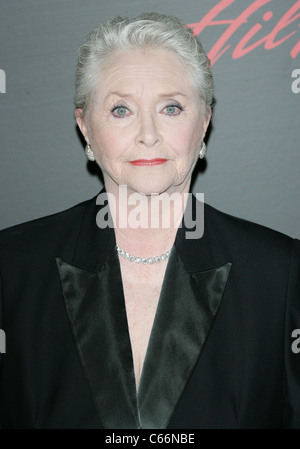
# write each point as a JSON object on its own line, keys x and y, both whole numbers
{"x": 149, "y": 260}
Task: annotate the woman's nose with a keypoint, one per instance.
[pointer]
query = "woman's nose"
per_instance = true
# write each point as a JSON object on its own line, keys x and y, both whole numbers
{"x": 148, "y": 133}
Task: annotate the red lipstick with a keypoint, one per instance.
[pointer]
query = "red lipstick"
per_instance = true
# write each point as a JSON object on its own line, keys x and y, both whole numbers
{"x": 148, "y": 162}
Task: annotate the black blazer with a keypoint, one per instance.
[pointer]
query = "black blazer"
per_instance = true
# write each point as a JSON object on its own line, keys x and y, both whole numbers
{"x": 220, "y": 351}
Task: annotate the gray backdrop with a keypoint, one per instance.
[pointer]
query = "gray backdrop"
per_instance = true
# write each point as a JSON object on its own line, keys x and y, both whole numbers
{"x": 253, "y": 165}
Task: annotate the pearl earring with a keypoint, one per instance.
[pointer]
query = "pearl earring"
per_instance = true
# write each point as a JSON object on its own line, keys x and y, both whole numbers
{"x": 89, "y": 152}
{"x": 202, "y": 151}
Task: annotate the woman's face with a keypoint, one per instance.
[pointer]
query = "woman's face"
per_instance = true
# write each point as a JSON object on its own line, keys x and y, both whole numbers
{"x": 145, "y": 123}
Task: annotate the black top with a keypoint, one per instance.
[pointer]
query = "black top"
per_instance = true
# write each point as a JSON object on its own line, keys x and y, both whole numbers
{"x": 220, "y": 351}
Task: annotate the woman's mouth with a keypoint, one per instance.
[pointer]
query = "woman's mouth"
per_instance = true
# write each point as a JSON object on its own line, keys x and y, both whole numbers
{"x": 148, "y": 162}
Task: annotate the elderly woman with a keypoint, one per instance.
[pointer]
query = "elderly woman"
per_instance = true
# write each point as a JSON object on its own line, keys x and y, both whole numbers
{"x": 114, "y": 319}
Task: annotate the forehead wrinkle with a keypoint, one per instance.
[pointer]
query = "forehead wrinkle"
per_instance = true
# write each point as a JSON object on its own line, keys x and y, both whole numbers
{"x": 156, "y": 92}
{"x": 164, "y": 80}
{"x": 132, "y": 77}
{"x": 159, "y": 94}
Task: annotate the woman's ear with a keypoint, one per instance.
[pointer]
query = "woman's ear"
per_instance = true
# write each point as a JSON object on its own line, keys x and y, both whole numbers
{"x": 207, "y": 118}
{"x": 81, "y": 122}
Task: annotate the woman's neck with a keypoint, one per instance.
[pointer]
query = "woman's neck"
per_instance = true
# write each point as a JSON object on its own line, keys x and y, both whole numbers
{"x": 146, "y": 225}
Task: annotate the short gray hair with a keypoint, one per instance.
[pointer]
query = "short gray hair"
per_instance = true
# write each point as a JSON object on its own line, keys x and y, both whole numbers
{"x": 145, "y": 31}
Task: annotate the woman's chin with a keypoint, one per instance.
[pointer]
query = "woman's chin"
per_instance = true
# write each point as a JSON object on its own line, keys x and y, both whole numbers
{"x": 148, "y": 189}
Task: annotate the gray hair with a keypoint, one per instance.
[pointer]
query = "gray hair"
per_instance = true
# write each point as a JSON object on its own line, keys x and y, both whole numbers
{"x": 145, "y": 31}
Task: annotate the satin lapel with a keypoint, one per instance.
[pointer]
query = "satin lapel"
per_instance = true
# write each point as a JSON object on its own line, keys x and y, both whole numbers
{"x": 96, "y": 310}
{"x": 93, "y": 293}
{"x": 186, "y": 311}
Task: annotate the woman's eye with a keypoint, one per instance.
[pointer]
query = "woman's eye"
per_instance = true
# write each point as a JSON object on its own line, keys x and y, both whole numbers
{"x": 120, "y": 111}
{"x": 172, "y": 109}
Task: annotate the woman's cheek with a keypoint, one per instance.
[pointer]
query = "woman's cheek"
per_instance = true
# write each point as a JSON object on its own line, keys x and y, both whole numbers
{"x": 183, "y": 143}
{"x": 105, "y": 140}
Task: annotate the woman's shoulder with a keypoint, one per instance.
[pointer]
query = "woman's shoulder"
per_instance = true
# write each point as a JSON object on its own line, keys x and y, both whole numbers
{"x": 44, "y": 230}
{"x": 244, "y": 234}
